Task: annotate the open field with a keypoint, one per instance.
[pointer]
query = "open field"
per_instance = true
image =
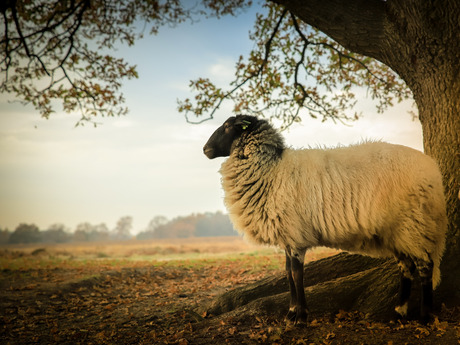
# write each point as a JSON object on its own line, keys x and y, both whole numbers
{"x": 176, "y": 251}
{"x": 156, "y": 248}
{"x": 150, "y": 292}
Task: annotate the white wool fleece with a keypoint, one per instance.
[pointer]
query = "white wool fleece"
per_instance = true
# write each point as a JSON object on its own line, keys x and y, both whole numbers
{"x": 373, "y": 198}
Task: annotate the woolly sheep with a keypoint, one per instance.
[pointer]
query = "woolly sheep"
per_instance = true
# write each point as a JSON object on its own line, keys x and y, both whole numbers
{"x": 374, "y": 198}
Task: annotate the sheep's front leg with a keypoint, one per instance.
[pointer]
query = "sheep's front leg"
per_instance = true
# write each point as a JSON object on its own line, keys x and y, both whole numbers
{"x": 293, "y": 302}
{"x": 294, "y": 271}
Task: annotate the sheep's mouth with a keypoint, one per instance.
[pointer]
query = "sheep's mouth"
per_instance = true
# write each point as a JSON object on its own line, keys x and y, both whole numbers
{"x": 209, "y": 152}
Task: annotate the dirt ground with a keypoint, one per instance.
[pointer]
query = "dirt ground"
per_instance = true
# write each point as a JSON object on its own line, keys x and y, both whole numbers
{"x": 50, "y": 300}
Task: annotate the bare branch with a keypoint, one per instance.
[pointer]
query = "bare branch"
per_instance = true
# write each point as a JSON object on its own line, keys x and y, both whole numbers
{"x": 268, "y": 44}
{"x": 7, "y": 43}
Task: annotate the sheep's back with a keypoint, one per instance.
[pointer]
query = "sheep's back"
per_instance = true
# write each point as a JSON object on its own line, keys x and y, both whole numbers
{"x": 375, "y": 197}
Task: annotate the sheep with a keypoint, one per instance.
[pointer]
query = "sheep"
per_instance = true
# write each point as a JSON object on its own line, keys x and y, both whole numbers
{"x": 374, "y": 198}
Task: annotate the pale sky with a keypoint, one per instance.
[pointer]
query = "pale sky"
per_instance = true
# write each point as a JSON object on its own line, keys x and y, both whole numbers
{"x": 150, "y": 162}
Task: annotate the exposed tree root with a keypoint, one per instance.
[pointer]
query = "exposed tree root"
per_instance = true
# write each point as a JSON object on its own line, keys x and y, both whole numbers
{"x": 342, "y": 282}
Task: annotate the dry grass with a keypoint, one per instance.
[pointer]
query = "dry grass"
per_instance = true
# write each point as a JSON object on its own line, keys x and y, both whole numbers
{"x": 159, "y": 250}
{"x": 157, "y": 247}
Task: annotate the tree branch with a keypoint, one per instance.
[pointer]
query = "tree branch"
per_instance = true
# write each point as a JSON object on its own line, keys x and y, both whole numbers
{"x": 259, "y": 72}
{"x": 331, "y": 47}
{"x": 7, "y": 58}
{"x": 24, "y": 42}
{"x": 297, "y": 84}
{"x": 73, "y": 32}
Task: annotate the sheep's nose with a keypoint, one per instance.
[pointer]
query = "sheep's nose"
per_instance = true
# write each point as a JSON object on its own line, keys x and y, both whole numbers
{"x": 208, "y": 151}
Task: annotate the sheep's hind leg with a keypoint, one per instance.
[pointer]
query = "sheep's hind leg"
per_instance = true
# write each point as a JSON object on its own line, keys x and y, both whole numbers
{"x": 425, "y": 270}
{"x": 298, "y": 307}
{"x": 406, "y": 268}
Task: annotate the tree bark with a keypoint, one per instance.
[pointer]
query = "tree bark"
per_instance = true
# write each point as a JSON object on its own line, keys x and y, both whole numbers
{"x": 420, "y": 40}
{"x": 357, "y": 25}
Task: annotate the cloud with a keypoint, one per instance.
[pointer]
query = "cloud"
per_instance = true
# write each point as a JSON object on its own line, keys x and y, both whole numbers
{"x": 394, "y": 126}
{"x": 223, "y": 71}
{"x": 122, "y": 123}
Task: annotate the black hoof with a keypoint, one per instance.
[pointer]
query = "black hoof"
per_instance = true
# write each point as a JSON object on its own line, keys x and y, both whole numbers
{"x": 301, "y": 323}
{"x": 301, "y": 319}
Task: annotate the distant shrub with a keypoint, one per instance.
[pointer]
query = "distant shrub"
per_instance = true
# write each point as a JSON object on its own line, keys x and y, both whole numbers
{"x": 25, "y": 233}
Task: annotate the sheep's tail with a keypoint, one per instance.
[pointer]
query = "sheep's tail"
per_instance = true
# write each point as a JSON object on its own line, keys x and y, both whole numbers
{"x": 436, "y": 257}
{"x": 436, "y": 274}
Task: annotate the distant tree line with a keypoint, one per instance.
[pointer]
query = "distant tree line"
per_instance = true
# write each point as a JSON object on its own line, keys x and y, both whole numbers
{"x": 195, "y": 225}
{"x": 59, "y": 233}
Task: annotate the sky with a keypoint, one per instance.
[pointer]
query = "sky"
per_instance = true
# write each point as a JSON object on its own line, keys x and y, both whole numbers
{"x": 150, "y": 162}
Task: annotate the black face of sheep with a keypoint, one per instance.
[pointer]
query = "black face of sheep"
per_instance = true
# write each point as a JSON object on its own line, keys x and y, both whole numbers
{"x": 220, "y": 142}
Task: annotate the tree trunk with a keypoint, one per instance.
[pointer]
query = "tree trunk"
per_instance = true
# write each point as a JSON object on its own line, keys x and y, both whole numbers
{"x": 439, "y": 108}
{"x": 426, "y": 54}
{"x": 420, "y": 40}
